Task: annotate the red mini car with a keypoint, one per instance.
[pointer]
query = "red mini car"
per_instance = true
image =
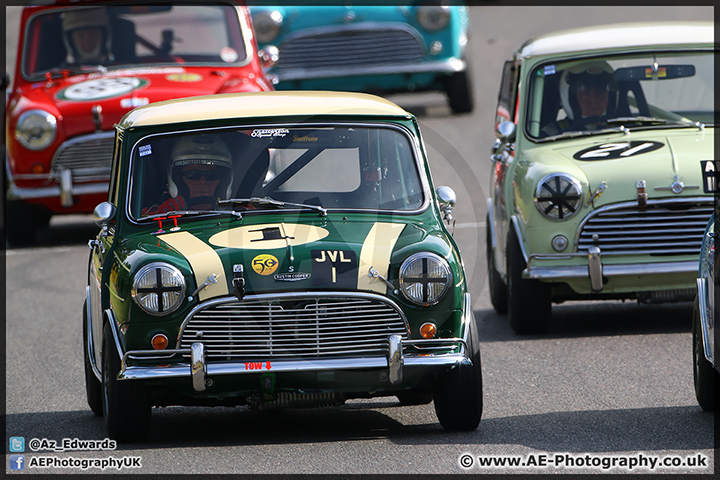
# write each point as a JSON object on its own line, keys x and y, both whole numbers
{"x": 81, "y": 66}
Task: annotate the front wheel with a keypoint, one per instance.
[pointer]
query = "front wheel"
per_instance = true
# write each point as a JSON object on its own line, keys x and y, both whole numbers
{"x": 126, "y": 403}
{"x": 458, "y": 395}
{"x": 529, "y": 303}
{"x": 705, "y": 377}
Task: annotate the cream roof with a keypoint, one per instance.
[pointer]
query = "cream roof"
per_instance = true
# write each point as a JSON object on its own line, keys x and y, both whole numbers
{"x": 260, "y": 104}
{"x": 619, "y": 36}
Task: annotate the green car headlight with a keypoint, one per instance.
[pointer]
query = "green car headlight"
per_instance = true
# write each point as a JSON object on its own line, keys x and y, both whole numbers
{"x": 433, "y": 17}
{"x": 36, "y": 129}
{"x": 558, "y": 196}
{"x": 424, "y": 278}
{"x": 159, "y": 288}
{"x": 267, "y": 25}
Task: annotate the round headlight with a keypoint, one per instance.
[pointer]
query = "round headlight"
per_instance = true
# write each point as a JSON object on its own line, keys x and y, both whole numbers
{"x": 424, "y": 278}
{"x": 35, "y": 129}
{"x": 267, "y": 25}
{"x": 159, "y": 288}
{"x": 558, "y": 196}
{"x": 433, "y": 17}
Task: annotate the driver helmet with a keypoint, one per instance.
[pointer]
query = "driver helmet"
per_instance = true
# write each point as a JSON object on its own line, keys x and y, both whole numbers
{"x": 87, "y": 18}
{"x": 596, "y": 73}
{"x": 204, "y": 149}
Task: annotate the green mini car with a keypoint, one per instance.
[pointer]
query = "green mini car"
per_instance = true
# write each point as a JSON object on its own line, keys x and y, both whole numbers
{"x": 275, "y": 250}
{"x": 596, "y": 186}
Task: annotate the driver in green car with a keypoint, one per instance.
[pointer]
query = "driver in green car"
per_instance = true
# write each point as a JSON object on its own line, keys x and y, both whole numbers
{"x": 588, "y": 95}
{"x": 199, "y": 174}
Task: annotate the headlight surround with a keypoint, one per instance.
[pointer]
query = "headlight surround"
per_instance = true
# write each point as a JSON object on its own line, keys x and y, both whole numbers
{"x": 267, "y": 25}
{"x": 159, "y": 288}
{"x": 433, "y": 17}
{"x": 36, "y": 129}
{"x": 558, "y": 196}
{"x": 424, "y": 278}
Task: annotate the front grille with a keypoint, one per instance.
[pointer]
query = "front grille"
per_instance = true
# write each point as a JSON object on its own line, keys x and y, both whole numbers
{"x": 88, "y": 157}
{"x": 304, "y": 327}
{"x": 351, "y": 47}
{"x": 663, "y": 228}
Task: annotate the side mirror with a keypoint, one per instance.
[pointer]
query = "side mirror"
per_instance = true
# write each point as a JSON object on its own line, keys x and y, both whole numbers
{"x": 506, "y": 132}
{"x": 103, "y": 214}
{"x": 447, "y": 199}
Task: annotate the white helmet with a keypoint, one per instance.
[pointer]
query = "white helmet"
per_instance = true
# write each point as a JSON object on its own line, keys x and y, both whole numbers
{"x": 596, "y": 72}
{"x": 87, "y": 18}
{"x": 204, "y": 149}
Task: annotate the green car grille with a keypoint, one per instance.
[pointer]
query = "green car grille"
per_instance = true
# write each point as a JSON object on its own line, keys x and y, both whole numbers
{"x": 296, "y": 327}
{"x": 662, "y": 228}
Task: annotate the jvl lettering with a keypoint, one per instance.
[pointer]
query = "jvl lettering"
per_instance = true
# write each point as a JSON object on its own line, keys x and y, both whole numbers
{"x": 334, "y": 268}
{"x": 333, "y": 256}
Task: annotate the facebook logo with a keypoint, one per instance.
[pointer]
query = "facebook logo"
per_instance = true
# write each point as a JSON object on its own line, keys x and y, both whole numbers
{"x": 17, "y": 444}
{"x": 17, "y": 462}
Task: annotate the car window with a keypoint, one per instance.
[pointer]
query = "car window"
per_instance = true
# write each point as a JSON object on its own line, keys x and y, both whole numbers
{"x": 333, "y": 167}
{"x": 653, "y": 88}
{"x": 145, "y": 35}
{"x": 506, "y": 95}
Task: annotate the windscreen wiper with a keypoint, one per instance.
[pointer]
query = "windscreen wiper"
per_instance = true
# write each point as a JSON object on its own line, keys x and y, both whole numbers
{"x": 644, "y": 120}
{"x": 267, "y": 201}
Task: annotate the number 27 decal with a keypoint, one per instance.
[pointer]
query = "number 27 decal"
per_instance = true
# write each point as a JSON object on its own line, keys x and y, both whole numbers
{"x": 609, "y": 151}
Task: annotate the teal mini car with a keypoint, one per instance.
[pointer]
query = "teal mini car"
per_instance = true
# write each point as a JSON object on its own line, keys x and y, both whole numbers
{"x": 275, "y": 250}
{"x": 596, "y": 190}
{"x": 370, "y": 48}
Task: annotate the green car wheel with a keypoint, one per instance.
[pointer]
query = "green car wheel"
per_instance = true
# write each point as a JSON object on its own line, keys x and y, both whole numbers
{"x": 126, "y": 405}
{"x": 93, "y": 387}
{"x": 458, "y": 397}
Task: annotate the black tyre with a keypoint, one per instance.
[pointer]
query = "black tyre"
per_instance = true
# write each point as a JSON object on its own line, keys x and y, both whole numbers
{"x": 496, "y": 285}
{"x": 705, "y": 377}
{"x": 529, "y": 303}
{"x": 126, "y": 404}
{"x": 458, "y": 395}
{"x": 459, "y": 90}
{"x": 412, "y": 398}
{"x": 93, "y": 386}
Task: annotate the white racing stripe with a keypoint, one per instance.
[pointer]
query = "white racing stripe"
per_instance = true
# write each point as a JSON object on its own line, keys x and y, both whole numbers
{"x": 203, "y": 260}
{"x": 375, "y": 252}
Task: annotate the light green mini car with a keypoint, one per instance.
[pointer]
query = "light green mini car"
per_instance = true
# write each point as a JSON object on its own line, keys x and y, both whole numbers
{"x": 597, "y": 185}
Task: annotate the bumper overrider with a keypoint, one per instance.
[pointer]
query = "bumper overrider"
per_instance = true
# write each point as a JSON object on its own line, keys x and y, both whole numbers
{"x": 404, "y": 358}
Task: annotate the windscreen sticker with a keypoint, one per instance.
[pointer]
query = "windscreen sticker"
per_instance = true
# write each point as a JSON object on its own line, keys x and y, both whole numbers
{"x": 229, "y": 55}
{"x": 101, "y": 88}
{"x": 145, "y": 150}
{"x": 608, "y": 151}
{"x": 549, "y": 70}
{"x": 334, "y": 268}
{"x": 269, "y": 132}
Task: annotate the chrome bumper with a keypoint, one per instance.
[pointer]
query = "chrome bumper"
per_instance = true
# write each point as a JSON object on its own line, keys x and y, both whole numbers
{"x": 449, "y": 66}
{"x": 595, "y": 270}
{"x": 66, "y": 191}
{"x": 198, "y": 370}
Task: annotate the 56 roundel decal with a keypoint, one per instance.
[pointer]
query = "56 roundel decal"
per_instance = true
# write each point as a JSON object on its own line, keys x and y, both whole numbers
{"x": 608, "y": 151}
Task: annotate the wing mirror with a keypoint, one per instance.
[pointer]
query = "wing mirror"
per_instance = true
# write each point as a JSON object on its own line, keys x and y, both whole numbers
{"x": 506, "y": 132}
{"x": 103, "y": 214}
{"x": 446, "y": 199}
